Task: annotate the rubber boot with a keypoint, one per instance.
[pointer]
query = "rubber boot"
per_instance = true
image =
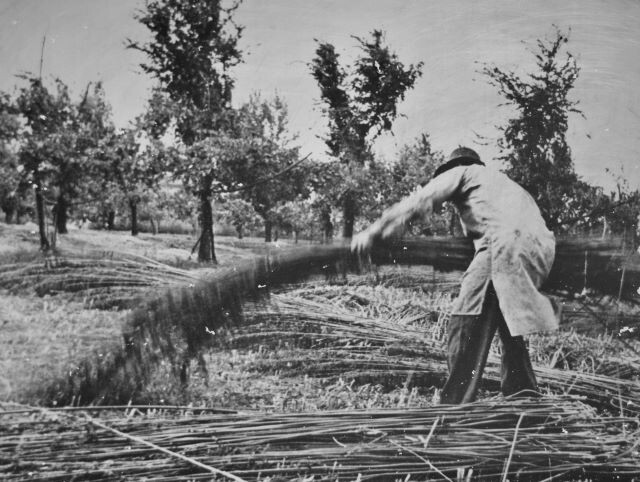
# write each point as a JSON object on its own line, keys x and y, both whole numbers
{"x": 517, "y": 373}
{"x": 469, "y": 342}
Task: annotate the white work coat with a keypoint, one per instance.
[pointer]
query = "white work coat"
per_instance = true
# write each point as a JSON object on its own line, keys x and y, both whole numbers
{"x": 514, "y": 248}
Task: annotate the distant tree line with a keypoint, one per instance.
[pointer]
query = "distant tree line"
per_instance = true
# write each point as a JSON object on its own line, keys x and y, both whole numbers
{"x": 193, "y": 157}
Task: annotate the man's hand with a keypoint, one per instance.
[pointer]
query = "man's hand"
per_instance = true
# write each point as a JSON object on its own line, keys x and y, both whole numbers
{"x": 361, "y": 243}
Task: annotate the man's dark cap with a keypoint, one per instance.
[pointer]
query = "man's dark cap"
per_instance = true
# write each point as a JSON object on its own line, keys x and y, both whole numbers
{"x": 462, "y": 156}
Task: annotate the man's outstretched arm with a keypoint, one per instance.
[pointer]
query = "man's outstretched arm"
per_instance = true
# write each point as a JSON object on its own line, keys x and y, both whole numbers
{"x": 419, "y": 204}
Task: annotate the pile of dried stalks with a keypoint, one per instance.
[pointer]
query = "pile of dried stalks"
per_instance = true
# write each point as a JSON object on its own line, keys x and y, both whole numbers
{"x": 103, "y": 280}
{"x": 176, "y": 326}
{"x": 550, "y": 439}
{"x": 553, "y": 437}
{"x": 330, "y": 341}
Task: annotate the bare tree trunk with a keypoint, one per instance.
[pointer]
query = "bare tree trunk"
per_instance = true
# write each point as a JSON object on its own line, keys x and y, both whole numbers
{"x": 154, "y": 228}
{"x": 42, "y": 228}
{"x": 349, "y": 215}
{"x": 239, "y": 231}
{"x": 133, "y": 206}
{"x": 9, "y": 208}
{"x": 268, "y": 227}
{"x": 8, "y": 215}
{"x": 111, "y": 220}
{"x": 206, "y": 250}
{"x": 61, "y": 214}
{"x": 327, "y": 226}
{"x": 295, "y": 236}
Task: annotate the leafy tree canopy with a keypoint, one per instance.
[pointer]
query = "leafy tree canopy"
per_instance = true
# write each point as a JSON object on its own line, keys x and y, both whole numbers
{"x": 193, "y": 48}
{"x": 194, "y": 45}
{"x": 534, "y": 146}
{"x": 360, "y": 103}
{"x": 265, "y": 169}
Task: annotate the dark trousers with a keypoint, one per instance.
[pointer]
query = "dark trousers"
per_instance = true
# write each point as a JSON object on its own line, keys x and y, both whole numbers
{"x": 469, "y": 342}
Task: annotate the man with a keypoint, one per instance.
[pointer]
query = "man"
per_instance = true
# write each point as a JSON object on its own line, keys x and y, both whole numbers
{"x": 514, "y": 252}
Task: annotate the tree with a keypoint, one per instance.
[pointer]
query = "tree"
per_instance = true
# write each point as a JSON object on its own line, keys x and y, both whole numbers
{"x": 239, "y": 213}
{"x": 323, "y": 213}
{"x": 414, "y": 167}
{"x": 200, "y": 166}
{"x": 360, "y": 104}
{"x": 194, "y": 47}
{"x": 265, "y": 168}
{"x": 53, "y": 140}
{"x": 534, "y": 146}
{"x": 12, "y": 187}
{"x": 296, "y": 217}
{"x": 132, "y": 167}
{"x": 620, "y": 210}
{"x": 89, "y": 123}
{"x": 44, "y": 138}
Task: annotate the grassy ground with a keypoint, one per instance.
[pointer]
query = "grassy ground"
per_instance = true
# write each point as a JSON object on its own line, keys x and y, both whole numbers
{"x": 43, "y": 338}
{"x": 168, "y": 248}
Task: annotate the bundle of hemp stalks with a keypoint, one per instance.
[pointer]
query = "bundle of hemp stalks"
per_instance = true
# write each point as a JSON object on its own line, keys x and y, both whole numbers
{"x": 104, "y": 281}
{"x": 374, "y": 349}
{"x": 174, "y": 326}
{"x": 556, "y": 438}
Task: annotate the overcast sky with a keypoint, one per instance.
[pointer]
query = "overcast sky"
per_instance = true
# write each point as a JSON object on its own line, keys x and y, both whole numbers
{"x": 452, "y": 102}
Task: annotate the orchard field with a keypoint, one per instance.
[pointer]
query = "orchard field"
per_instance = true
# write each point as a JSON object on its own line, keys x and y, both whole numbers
{"x": 178, "y": 299}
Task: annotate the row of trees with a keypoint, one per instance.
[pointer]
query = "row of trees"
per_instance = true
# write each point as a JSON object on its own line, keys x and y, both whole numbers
{"x": 191, "y": 146}
{"x": 86, "y": 166}
{"x": 64, "y": 154}
{"x": 245, "y": 155}
{"x": 46, "y": 145}
{"x": 193, "y": 49}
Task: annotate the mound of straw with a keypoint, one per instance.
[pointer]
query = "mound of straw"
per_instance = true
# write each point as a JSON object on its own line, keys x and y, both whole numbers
{"x": 175, "y": 325}
{"x": 521, "y": 439}
{"x": 104, "y": 280}
{"x": 588, "y": 435}
{"x": 379, "y": 349}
